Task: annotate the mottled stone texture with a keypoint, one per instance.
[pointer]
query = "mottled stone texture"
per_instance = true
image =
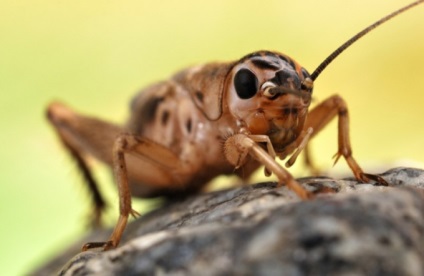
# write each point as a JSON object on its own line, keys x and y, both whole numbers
{"x": 362, "y": 229}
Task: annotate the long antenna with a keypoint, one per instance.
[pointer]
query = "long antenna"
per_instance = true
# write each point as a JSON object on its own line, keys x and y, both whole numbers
{"x": 339, "y": 50}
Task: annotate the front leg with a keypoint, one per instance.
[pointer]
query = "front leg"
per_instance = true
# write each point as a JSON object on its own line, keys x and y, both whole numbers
{"x": 238, "y": 146}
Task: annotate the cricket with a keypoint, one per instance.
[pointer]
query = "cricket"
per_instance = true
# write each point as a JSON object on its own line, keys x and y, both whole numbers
{"x": 214, "y": 119}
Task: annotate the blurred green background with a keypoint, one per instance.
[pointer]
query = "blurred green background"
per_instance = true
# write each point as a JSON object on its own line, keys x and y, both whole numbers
{"x": 94, "y": 55}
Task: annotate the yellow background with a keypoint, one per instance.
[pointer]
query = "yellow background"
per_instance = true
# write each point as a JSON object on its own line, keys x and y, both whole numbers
{"x": 94, "y": 55}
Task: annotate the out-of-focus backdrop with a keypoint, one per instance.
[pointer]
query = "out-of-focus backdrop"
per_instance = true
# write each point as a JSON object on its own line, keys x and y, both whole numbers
{"x": 94, "y": 55}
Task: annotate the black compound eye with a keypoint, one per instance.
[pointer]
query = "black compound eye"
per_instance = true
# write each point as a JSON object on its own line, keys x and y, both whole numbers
{"x": 246, "y": 84}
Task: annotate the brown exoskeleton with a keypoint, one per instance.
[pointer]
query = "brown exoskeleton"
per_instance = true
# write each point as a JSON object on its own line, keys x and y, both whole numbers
{"x": 218, "y": 118}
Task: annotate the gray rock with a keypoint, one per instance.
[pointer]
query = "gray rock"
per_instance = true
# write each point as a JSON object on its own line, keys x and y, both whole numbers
{"x": 360, "y": 229}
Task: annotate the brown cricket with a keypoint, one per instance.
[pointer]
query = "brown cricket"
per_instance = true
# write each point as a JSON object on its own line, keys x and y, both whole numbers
{"x": 213, "y": 119}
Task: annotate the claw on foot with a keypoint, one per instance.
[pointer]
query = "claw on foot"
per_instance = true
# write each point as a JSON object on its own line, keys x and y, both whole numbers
{"x": 336, "y": 158}
{"x": 378, "y": 179}
{"x": 298, "y": 189}
{"x": 134, "y": 213}
{"x": 104, "y": 245}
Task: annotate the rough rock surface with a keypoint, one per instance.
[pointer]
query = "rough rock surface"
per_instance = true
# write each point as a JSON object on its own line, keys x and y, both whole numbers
{"x": 361, "y": 229}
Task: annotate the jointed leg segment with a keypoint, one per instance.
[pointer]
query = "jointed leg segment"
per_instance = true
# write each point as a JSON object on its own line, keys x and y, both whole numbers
{"x": 241, "y": 145}
{"x": 145, "y": 152}
{"x": 321, "y": 115}
{"x": 63, "y": 120}
{"x": 89, "y": 136}
{"x": 123, "y": 144}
